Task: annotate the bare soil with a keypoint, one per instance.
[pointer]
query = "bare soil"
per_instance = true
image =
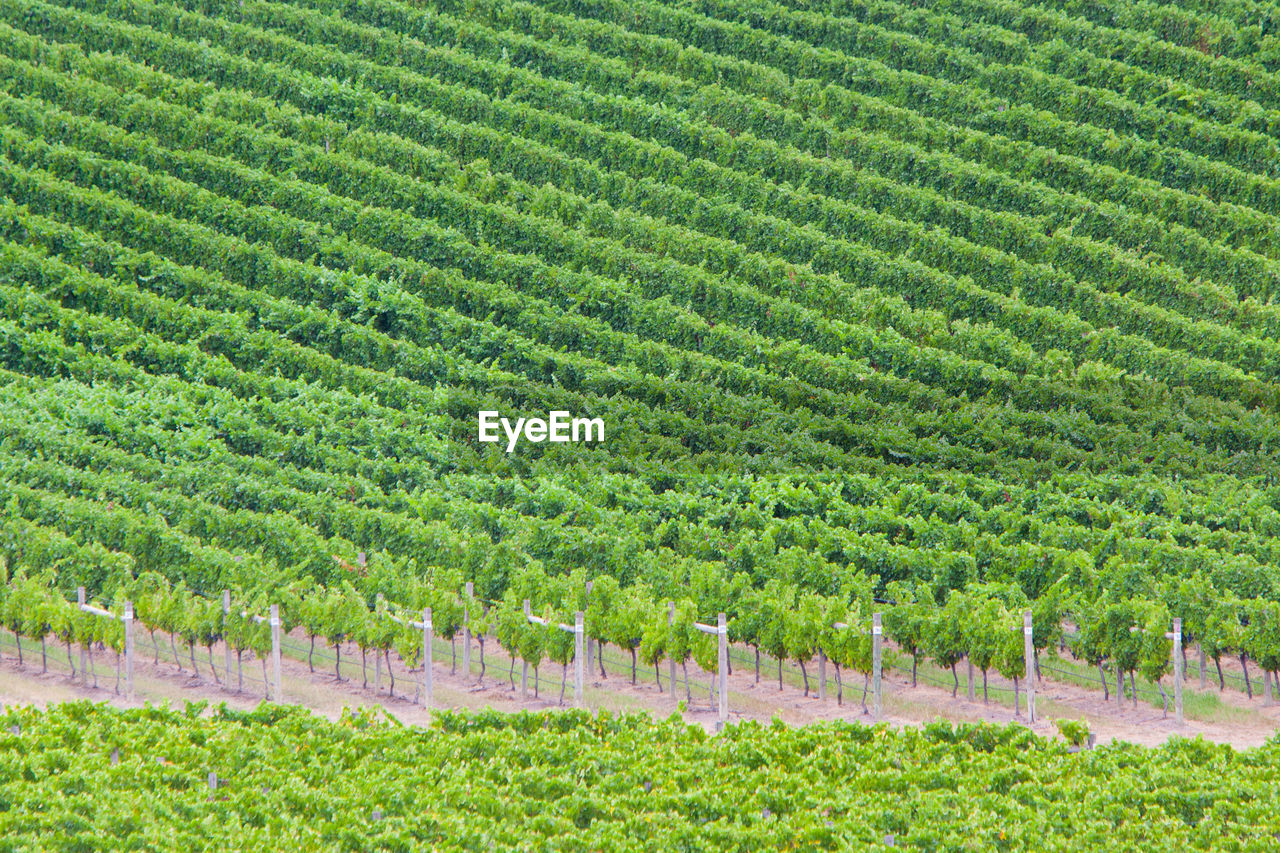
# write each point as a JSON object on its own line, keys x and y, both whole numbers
{"x": 1239, "y": 721}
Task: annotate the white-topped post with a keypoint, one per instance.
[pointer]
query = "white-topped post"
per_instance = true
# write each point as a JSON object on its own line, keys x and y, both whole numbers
{"x": 524, "y": 664}
{"x": 1029, "y": 657}
{"x": 1177, "y": 668}
{"x": 84, "y": 647}
{"x": 275, "y": 653}
{"x": 578, "y": 658}
{"x": 876, "y": 632}
{"x": 226, "y": 637}
{"x": 466, "y": 632}
{"x": 822, "y": 675}
{"x": 723, "y": 626}
{"x": 128, "y": 648}
{"x": 377, "y": 658}
{"x": 590, "y": 645}
{"x": 427, "y": 638}
{"x": 671, "y": 661}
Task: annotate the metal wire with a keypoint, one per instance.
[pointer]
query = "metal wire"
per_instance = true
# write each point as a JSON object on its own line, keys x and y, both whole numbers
{"x": 740, "y": 656}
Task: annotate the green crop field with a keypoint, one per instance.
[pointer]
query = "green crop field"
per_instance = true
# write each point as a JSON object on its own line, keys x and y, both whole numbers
{"x": 945, "y": 312}
{"x": 254, "y": 780}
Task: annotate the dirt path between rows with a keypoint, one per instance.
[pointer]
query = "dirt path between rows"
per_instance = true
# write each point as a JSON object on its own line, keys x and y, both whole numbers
{"x": 1229, "y": 717}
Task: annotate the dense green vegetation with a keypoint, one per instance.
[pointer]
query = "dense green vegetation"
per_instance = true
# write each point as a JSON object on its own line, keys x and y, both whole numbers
{"x": 983, "y": 309}
{"x": 951, "y": 312}
{"x": 253, "y": 246}
{"x": 82, "y": 773}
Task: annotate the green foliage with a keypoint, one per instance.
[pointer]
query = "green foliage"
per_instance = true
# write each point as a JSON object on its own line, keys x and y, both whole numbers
{"x": 983, "y": 625}
{"x": 778, "y": 601}
{"x": 969, "y": 307}
{"x": 909, "y": 622}
{"x": 1074, "y": 732}
{"x": 817, "y": 783}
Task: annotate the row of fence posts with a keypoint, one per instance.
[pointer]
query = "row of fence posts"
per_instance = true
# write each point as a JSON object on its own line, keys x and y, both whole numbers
{"x": 1028, "y": 667}
{"x": 127, "y": 620}
{"x": 583, "y": 650}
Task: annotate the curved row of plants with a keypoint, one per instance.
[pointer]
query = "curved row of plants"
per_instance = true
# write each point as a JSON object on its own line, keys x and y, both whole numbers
{"x": 980, "y": 624}
{"x": 1004, "y": 542}
{"x": 230, "y": 64}
{"x": 200, "y": 777}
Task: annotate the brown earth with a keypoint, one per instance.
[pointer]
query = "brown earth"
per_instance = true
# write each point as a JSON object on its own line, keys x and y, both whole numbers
{"x": 1230, "y": 718}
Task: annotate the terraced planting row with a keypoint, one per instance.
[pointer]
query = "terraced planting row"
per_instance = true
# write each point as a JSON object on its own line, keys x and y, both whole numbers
{"x": 946, "y": 313}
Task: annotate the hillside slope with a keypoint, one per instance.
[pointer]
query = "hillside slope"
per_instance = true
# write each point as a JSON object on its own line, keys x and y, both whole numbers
{"x": 978, "y": 294}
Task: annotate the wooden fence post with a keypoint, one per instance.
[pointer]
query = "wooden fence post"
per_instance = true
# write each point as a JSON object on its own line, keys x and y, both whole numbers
{"x": 275, "y": 653}
{"x": 723, "y": 626}
{"x": 1177, "y": 668}
{"x": 377, "y": 658}
{"x": 128, "y": 649}
{"x": 1202, "y": 665}
{"x": 822, "y": 675}
{"x": 671, "y": 618}
{"x": 84, "y": 649}
{"x": 721, "y": 630}
{"x": 226, "y": 620}
{"x": 1029, "y": 658}
{"x": 590, "y": 645}
{"x": 1119, "y": 688}
{"x": 524, "y": 664}
{"x": 466, "y": 632}
{"x": 577, "y": 658}
{"x": 579, "y": 635}
{"x": 875, "y": 660}
{"x": 969, "y": 661}
{"x": 428, "y": 630}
